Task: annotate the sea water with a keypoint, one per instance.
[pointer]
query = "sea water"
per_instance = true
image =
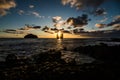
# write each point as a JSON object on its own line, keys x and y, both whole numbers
{"x": 27, "y": 47}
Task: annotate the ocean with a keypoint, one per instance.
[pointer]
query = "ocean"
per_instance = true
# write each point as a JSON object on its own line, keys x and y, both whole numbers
{"x": 25, "y": 47}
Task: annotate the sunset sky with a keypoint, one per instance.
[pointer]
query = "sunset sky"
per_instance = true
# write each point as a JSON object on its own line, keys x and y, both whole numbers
{"x": 76, "y": 18}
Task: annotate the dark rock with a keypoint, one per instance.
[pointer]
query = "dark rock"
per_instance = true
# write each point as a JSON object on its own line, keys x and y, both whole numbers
{"x": 11, "y": 59}
{"x": 115, "y": 39}
{"x": 31, "y": 36}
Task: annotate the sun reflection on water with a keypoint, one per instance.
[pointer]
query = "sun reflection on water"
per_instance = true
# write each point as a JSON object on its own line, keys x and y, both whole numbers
{"x": 59, "y": 44}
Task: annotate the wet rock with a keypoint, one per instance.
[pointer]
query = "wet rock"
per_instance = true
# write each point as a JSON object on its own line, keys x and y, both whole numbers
{"x": 11, "y": 59}
{"x": 49, "y": 56}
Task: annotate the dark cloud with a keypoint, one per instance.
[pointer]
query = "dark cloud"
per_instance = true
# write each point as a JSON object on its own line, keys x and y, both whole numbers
{"x": 93, "y": 3}
{"x": 36, "y": 27}
{"x": 51, "y": 30}
{"x": 28, "y": 27}
{"x": 10, "y": 30}
{"x": 116, "y": 26}
{"x": 66, "y": 31}
{"x": 102, "y": 33}
{"x": 80, "y": 21}
{"x": 78, "y": 30}
{"x": 99, "y": 11}
{"x": 113, "y": 23}
{"x": 54, "y": 29}
{"x": 116, "y": 21}
{"x": 23, "y": 30}
{"x": 80, "y": 4}
{"x": 13, "y": 31}
{"x": 69, "y": 28}
{"x": 46, "y": 28}
{"x": 87, "y": 6}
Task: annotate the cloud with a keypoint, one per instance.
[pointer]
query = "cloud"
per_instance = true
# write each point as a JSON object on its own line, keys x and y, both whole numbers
{"x": 115, "y": 21}
{"x": 5, "y": 5}
{"x": 79, "y": 4}
{"x": 60, "y": 24}
{"x": 100, "y": 11}
{"x": 100, "y": 25}
{"x": 45, "y": 28}
{"x": 13, "y": 31}
{"x": 80, "y": 21}
{"x": 88, "y": 6}
{"x": 23, "y": 30}
{"x": 3, "y": 12}
{"x": 99, "y": 33}
{"x": 20, "y": 12}
{"x": 36, "y": 14}
{"x": 28, "y": 27}
{"x": 103, "y": 20}
{"x": 56, "y": 19}
{"x": 78, "y": 30}
{"x": 48, "y": 29}
{"x": 31, "y": 6}
{"x": 49, "y": 17}
{"x": 116, "y": 26}
{"x": 66, "y": 31}
{"x": 117, "y": 17}
{"x": 54, "y": 30}
{"x": 73, "y": 3}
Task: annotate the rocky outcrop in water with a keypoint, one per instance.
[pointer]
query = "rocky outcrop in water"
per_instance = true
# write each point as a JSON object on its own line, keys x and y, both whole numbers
{"x": 30, "y": 36}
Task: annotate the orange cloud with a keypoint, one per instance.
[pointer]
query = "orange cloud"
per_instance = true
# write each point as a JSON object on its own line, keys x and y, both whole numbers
{"x": 100, "y": 25}
{"x": 6, "y": 5}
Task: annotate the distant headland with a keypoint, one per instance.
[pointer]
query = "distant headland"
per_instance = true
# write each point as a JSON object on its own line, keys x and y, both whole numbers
{"x": 30, "y": 36}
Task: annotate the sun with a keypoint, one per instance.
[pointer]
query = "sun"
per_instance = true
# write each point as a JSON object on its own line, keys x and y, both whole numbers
{"x": 59, "y": 35}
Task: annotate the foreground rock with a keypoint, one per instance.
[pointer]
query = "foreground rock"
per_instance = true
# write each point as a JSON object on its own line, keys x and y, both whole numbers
{"x": 50, "y": 66}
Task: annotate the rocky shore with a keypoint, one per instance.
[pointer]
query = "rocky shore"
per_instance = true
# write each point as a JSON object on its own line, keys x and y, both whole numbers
{"x": 50, "y": 65}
